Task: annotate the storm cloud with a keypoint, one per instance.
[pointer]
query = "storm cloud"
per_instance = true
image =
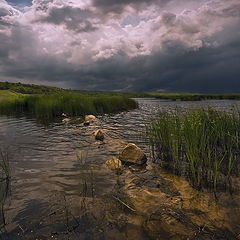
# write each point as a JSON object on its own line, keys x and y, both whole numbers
{"x": 135, "y": 45}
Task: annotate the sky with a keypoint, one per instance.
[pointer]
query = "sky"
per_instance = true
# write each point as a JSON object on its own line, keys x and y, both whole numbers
{"x": 127, "y": 45}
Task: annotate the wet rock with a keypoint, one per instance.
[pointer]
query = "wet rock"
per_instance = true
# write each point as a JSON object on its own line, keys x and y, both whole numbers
{"x": 132, "y": 154}
{"x": 114, "y": 163}
{"x": 90, "y": 118}
{"x": 99, "y": 135}
{"x": 86, "y": 123}
{"x": 64, "y": 115}
{"x": 169, "y": 223}
{"x": 66, "y": 120}
{"x": 148, "y": 180}
{"x": 77, "y": 120}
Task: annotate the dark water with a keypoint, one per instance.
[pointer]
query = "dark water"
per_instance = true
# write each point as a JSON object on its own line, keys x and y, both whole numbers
{"x": 46, "y": 178}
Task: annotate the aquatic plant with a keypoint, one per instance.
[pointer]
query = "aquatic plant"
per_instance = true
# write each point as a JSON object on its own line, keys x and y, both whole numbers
{"x": 86, "y": 174}
{"x": 202, "y": 144}
{"x": 4, "y": 165}
{"x": 47, "y": 107}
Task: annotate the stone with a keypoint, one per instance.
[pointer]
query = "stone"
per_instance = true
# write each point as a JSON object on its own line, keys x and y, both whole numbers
{"x": 66, "y": 120}
{"x": 169, "y": 223}
{"x": 99, "y": 135}
{"x": 114, "y": 163}
{"x": 64, "y": 115}
{"x": 132, "y": 154}
{"x": 86, "y": 123}
{"x": 90, "y": 118}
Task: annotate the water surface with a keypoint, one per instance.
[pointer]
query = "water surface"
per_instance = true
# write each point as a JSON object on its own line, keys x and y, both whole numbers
{"x": 52, "y": 189}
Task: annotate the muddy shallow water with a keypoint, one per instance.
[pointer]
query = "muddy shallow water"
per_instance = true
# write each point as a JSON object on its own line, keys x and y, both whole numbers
{"x": 61, "y": 188}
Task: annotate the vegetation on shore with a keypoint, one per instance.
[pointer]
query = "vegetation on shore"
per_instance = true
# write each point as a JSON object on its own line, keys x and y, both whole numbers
{"x": 29, "y": 88}
{"x": 47, "y": 107}
{"x": 36, "y": 89}
{"x": 203, "y": 145}
{"x": 194, "y": 96}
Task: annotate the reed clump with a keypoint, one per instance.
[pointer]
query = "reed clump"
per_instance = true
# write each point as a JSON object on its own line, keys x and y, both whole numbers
{"x": 202, "y": 144}
{"x": 47, "y": 107}
{"x": 4, "y": 166}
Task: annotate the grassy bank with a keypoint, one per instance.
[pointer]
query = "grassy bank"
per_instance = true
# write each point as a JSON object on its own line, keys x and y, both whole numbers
{"x": 202, "y": 144}
{"x": 47, "y": 107}
{"x": 194, "y": 96}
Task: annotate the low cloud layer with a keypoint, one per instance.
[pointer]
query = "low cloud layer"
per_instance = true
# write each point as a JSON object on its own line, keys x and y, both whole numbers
{"x": 130, "y": 45}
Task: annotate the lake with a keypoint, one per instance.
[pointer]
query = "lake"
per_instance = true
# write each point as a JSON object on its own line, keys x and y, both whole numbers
{"x": 61, "y": 188}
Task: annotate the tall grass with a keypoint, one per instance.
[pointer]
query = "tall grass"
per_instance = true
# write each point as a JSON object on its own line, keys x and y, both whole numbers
{"x": 202, "y": 144}
{"x": 4, "y": 166}
{"x": 49, "y": 107}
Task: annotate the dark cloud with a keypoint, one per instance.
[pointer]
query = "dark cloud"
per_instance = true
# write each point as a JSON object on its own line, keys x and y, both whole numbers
{"x": 169, "y": 51}
{"x": 75, "y": 19}
{"x": 117, "y": 6}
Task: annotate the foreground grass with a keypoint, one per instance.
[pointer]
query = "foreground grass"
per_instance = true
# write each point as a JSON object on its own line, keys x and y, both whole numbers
{"x": 47, "y": 107}
{"x": 202, "y": 144}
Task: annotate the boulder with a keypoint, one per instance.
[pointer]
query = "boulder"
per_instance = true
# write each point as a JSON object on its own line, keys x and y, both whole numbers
{"x": 132, "y": 154}
{"x": 114, "y": 163}
{"x": 86, "y": 123}
{"x": 90, "y": 118}
{"x": 99, "y": 135}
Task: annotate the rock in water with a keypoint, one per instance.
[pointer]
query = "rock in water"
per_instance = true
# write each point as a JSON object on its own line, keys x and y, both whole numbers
{"x": 66, "y": 120}
{"x": 132, "y": 154}
{"x": 90, "y": 118}
{"x": 86, "y": 123}
{"x": 114, "y": 164}
{"x": 99, "y": 135}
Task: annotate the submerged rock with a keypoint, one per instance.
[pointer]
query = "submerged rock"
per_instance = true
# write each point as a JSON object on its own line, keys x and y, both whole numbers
{"x": 66, "y": 120}
{"x": 114, "y": 163}
{"x": 132, "y": 154}
{"x": 90, "y": 118}
{"x": 169, "y": 223}
{"x": 99, "y": 135}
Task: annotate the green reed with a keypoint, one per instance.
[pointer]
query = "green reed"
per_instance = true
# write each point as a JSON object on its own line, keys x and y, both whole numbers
{"x": 4, "y": 166}
{"x": 86, "y": 174}
{"x": 202, "y": 144}
{"x": 47, "y": 107}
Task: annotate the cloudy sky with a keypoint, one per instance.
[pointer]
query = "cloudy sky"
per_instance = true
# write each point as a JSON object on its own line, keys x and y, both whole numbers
{"x": 128, "y": 45}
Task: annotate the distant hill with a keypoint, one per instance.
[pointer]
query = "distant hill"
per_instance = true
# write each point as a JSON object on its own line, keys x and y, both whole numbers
{"x": 29, "y": 88}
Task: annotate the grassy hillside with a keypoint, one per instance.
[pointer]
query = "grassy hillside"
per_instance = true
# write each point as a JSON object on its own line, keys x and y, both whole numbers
{"x": 7, "y": 95}
{"x": 29, "y": 88}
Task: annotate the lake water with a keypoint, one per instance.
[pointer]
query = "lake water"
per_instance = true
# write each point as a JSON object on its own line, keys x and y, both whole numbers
{"x": 50, "y": 192}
